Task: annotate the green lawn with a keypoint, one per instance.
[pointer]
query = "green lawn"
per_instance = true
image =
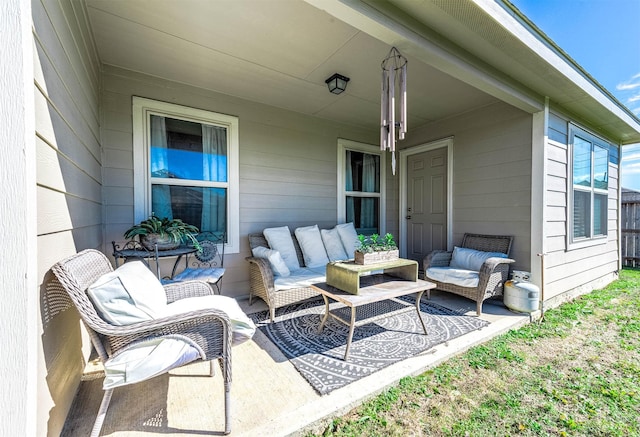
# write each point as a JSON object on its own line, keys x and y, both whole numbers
{"x": 575, "y": 373}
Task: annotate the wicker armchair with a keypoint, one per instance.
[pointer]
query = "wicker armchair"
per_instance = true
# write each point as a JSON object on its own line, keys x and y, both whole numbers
{"x": 261, "y": 279}
{"x": 208, "y": 329}
{"x": 493, "y": 274}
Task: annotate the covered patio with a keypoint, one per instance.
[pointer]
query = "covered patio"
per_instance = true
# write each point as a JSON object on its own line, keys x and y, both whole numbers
{"x": 268, "y": 395}
{"x": 494, "y": 108}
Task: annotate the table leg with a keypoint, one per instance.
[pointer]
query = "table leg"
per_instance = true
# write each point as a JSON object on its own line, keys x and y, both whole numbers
{"x": 418, "y": 298}
{"x": 326, "y": 313}
{"x": 352, "y": 326}
{"x": 175, "y": 266}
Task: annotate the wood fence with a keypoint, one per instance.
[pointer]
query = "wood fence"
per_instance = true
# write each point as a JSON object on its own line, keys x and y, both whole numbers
{"x": 630, "y": 213}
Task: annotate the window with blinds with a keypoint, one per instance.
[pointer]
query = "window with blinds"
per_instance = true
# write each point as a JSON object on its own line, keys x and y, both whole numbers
{"x": 590, "y": 185}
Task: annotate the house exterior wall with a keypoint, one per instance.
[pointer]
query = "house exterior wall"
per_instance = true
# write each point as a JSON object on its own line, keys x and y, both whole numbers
{"x": 288, "y": 163}
{"x": 491, "y": 174}
{"x": 68, "y": 184}
{"x": 19, "y": 307}
{"x": 492, "y": 167}
{"x": 570, "y": 272}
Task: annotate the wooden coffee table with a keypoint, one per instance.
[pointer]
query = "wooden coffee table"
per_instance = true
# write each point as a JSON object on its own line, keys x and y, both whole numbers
{"x": 373, "y": 289}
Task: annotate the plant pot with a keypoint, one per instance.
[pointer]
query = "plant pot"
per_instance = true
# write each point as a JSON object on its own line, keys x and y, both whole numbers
{"x": 376, "y": 257}
{"x": 164, "y": 242}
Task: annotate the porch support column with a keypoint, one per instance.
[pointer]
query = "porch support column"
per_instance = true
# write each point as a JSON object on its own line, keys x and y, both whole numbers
{"x": 19, "y": 300}
{"x": 539, "y": 138}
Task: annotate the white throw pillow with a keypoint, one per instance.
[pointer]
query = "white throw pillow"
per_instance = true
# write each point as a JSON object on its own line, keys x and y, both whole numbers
{"x": 130, "y": 294}
{"x": 471, "y": 259}
{"x": 312, "y": 247}
{"x": 275, "y": 260}
{"x": 333, "y": 245}
{"x": 349, "y": 238}
{"x": 280, "y": 239}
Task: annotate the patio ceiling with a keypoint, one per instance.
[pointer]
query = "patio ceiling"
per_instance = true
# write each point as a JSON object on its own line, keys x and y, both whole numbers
{"x": 273, "y": 52}
{"x": 462, "y": 56}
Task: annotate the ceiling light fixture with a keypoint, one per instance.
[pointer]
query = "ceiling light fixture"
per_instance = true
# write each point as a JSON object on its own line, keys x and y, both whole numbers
{"x": 337, "y": 83}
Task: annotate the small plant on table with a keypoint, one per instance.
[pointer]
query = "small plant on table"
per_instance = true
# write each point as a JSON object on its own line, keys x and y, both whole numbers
{"x": 166, "y": 233}
{"x": 375, "y": 249}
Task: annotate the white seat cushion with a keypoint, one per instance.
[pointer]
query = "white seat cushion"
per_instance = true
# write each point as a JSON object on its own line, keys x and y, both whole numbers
{"x": 280, "y": 239}
{"x": 313, "y": 250}
{"x": 333, "y": 244}
{"x": 208, "y": 274}
{"x": 301, "y": 278}
{"x": 471, "y": 259}
{"x": 450, "y": 275}
{"x": 130, "y": 294}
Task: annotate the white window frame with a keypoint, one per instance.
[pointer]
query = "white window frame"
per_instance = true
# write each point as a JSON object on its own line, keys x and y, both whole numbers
{"x": 343, "y": 146}
{"x": 573, "y": 243}
{"x": 142, "y": 110}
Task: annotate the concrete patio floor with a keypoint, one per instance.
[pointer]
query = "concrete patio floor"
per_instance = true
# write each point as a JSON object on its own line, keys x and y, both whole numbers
{"x": 268, "y": 396}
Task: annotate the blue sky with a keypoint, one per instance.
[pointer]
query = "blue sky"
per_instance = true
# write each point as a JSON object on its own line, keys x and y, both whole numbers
{"x": 603, "y": 36}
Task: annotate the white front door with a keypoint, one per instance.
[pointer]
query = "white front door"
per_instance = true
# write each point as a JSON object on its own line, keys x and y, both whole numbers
{"x": 426, "y": 205}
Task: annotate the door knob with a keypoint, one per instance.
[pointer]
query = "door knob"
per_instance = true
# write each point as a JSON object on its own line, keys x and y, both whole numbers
{"x": 408, "y": 217}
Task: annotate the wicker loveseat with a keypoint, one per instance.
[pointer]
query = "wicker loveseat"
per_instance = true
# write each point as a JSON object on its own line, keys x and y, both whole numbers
{"x": 492, "y": 274}
{"x": 262, "y": 279}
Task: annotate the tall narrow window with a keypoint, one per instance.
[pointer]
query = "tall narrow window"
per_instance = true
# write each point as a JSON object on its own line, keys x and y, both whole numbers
{"x": 361, "y": 184}
{"x": 590, "y": 184}
{"x": 186, "y": 166}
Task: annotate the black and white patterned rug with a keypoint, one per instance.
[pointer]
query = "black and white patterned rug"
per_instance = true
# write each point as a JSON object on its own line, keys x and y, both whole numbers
{"x": 319, "y": 357}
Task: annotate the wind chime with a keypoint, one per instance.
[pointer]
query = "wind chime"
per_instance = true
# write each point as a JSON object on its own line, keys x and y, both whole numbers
{"x": 394, "y": 74}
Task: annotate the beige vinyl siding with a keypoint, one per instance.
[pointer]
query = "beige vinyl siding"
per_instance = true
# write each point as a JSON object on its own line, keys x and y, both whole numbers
{"x": 491, "y": 174}
{"x": 69, "y": 190}
{"x": 577, "y": 270}
{"x": 288, "y": 162}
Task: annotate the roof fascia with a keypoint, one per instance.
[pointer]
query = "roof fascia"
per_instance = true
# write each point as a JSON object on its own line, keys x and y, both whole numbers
{"x": 526, "y": 31}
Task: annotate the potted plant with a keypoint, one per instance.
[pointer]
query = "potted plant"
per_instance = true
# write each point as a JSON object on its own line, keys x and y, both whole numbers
{"x": 166, "y": 233}
{"x": 374, "y": 249}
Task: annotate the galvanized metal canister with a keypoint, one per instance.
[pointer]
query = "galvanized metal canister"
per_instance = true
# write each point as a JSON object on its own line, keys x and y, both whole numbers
{"x": 521, "y": 296}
